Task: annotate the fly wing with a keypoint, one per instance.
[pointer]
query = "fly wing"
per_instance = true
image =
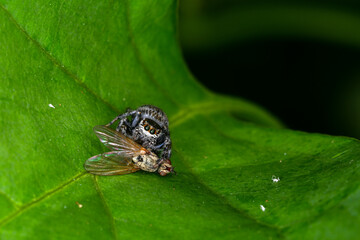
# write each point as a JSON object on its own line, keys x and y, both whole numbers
{"x": 110, "y": 163}
{"x": 117, "y": 141}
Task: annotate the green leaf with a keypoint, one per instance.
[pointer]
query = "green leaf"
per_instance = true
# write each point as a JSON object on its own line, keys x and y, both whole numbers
{"x": 68, "y": 66}
{"x": 203, "y": 28}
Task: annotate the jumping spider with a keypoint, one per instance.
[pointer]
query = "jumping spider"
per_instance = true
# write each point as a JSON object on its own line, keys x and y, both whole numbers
{"x": 149, "y": 126}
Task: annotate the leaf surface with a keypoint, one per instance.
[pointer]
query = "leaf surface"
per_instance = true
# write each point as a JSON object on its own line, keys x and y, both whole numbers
{"x": 70, "y": 65}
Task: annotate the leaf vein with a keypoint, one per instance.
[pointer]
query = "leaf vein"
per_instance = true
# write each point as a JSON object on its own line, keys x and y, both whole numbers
{"x": 55, "y": 61}
{"x": 140, "y": 60}
{"x": 36, "y": 201}
{"x": 226, "y": 202}
{"x": 10, "y": 200}
{"x": 106, "y": 206}
{"x": 223, "y": 105}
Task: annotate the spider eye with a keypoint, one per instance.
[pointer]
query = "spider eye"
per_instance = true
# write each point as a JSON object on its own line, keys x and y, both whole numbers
{"x": 152, "y": 131}
{"x": 147, "y": 127}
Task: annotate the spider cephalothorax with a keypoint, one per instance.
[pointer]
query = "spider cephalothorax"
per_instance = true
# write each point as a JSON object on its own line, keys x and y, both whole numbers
{"x": 149, "y": 126}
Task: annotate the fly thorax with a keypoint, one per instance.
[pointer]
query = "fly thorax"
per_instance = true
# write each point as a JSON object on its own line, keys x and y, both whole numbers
{"x": 146, "y": 162}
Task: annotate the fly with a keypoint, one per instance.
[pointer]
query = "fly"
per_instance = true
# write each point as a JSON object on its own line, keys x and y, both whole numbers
{"x": 126, "y": 156}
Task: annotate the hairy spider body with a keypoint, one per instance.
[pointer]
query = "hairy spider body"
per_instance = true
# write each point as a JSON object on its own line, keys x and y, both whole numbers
{"x": 148, "y": 126}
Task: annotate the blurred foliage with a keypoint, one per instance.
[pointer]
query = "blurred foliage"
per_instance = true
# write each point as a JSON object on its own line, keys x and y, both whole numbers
{"x": 299, "y": 59}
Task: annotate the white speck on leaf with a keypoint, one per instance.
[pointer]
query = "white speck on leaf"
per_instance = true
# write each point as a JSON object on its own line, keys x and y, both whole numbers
{"x": 79, "y": 204}
{"x": 262, "y": 208}
{"x": 124, "y": 99}
{"x": 275, "y": 179}
{"x": 50, "y": 105}
{"x": 65, "y": 206}
{"x": 285, "y": 154}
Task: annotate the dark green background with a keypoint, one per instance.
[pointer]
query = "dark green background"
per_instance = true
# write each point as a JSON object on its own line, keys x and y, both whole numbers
{"x": 299, "y": 59}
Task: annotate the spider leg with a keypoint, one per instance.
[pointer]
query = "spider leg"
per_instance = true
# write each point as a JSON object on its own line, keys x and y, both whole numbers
{"x": 122, "y": 118}
{"x": 112, "y": 121}
{"x": 159, "y": 146}
{"x": 126, "y": 122}
{"x": 166, "y": 154}
{"x": 124, "y": 128}
{"x": 136, "y": 120}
